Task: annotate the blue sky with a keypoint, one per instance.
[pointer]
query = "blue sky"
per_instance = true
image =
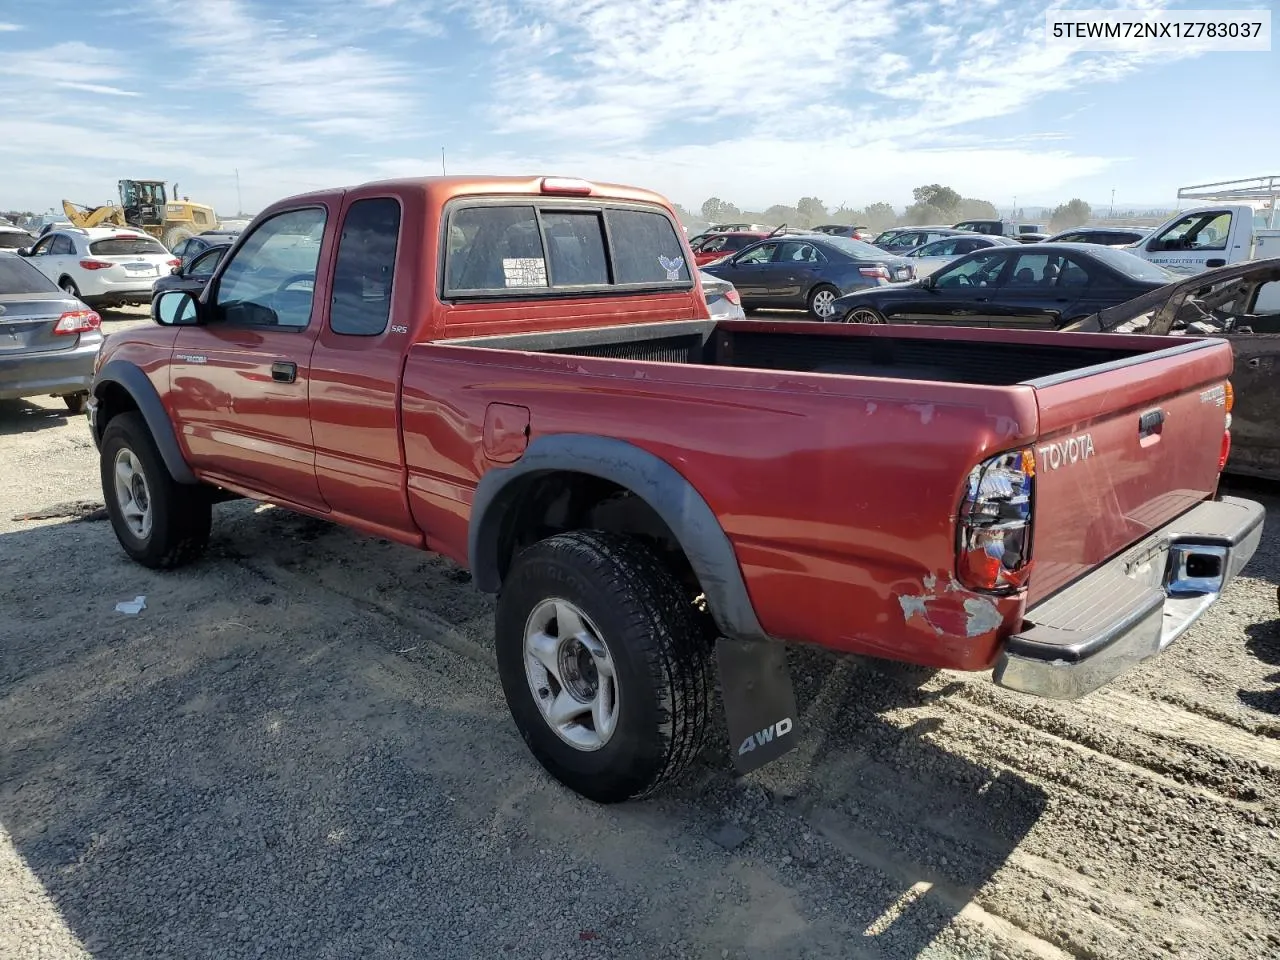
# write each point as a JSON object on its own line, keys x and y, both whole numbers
{"x": 757, "y": 103}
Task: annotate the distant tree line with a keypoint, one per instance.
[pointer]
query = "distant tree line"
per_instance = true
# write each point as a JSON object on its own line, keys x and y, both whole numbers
{"x": 932, "y": 204}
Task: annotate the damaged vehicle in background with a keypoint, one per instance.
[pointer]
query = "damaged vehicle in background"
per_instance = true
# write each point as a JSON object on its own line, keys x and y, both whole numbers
{"x": 1241, "y": 304}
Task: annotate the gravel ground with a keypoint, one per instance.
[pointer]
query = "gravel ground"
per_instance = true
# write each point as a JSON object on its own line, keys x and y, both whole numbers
{"x": 299, "y": 749}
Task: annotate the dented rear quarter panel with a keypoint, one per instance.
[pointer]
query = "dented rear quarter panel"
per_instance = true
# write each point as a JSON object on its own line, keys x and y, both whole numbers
{"x": 839, "y": 494}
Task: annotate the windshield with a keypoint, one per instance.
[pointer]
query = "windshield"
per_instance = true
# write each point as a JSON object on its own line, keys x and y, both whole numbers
{"x": 854, "y": 248}
{"x": 18, "y": 277}
{"x": 126, "y": 246}
{"x": 15, "y": 239}
{"x": 1131, "y": 266}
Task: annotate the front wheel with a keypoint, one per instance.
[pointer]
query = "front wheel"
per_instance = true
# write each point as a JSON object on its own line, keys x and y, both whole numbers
{"x": 159, "y": 522}
{"x": 604, "y": 664}
{"x": 864, "y": 315}
{"x": 822, "y": 302}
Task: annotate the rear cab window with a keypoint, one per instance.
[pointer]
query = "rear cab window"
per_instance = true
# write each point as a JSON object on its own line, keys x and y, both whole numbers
{"x": 127, "y": 246}
{"x": 543, "y": 248}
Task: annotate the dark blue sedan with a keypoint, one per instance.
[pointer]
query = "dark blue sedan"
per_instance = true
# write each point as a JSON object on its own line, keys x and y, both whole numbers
{"x": 1045, "y": 285}
{"x": 808, "y": 271}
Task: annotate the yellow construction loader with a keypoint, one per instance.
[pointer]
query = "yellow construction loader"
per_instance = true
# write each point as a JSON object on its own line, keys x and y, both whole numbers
{"x": 144, "y": 204}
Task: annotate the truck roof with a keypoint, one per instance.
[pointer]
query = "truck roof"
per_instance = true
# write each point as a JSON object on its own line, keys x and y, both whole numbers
{"x": 440, "y": 190}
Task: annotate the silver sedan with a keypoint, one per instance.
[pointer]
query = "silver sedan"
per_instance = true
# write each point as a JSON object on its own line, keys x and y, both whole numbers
{"x": 936, "y": 254}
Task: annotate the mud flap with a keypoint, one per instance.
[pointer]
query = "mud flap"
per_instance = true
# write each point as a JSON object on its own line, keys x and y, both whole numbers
{"x": 759, "y": 703}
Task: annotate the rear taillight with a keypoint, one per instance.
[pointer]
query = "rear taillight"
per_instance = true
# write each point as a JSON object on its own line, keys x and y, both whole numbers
{"x": 97, "y": 264}
{"x": 175, "y": 262}
{"x": 733, "y": 296}
{"x": 77, "y": 321}
{"x": 1229, "y": 401}
{"x": 994, "y": 535}
{"x": 879, "y": 271}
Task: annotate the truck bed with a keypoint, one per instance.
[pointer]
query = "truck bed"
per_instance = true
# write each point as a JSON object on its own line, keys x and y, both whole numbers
{"x": 966, "y": 355}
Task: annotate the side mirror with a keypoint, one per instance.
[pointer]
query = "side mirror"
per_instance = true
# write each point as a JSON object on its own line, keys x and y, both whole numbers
{"x": 927, "y": 283}
{"x": 24, "y": 251}
{"x": 175, "y": 308}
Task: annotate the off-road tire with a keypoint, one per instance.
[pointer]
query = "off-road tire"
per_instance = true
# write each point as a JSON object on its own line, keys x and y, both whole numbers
{"x": 182, "y": 513}
{"x": 75, "y": 401}
{"x": 659, "y": 646}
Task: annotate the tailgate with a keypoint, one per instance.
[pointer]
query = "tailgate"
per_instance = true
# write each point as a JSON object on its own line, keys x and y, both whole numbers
{"x": 1124, "y": 448}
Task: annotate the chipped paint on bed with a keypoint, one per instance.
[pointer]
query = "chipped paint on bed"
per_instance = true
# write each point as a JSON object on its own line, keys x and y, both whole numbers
{"x": 924, "y": 409}
{"x": 982, "y": 616}
{"x": 972, "y": 616}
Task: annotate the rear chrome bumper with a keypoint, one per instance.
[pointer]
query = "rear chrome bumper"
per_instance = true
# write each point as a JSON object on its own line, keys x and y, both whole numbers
{"x": 1132, "y": 607}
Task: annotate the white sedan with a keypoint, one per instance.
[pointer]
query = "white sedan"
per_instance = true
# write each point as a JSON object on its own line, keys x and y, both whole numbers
{"x": 936, "y": 254}
{"x": 104, "y": 267}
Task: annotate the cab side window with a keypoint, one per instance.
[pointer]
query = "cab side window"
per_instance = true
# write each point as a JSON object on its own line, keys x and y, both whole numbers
{"x": 1196, "y": 231}
{"x": 61, "y": 246}
{"x": 360, "y": 303}
{"x": 270, "y": 282}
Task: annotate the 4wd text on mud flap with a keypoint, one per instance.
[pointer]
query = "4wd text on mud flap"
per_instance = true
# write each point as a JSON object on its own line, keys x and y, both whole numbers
{"x": 1065, "y": 452}
{"x": 767, "y": 735}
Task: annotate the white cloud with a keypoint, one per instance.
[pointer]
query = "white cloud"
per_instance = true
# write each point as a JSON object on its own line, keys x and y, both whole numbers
{"x": 314, "y": 81}
{"x": 856, "y": 100}
{"x": 101, "y": 88}
{"x": 9, "y": 27}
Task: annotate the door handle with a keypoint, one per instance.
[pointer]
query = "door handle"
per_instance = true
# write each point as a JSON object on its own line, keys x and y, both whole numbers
{"x": 284, "y": 371}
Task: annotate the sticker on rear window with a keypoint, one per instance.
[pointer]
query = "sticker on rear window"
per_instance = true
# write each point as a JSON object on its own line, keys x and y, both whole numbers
{"x": 524, "y": 271}
{"x": 671, "y": 266}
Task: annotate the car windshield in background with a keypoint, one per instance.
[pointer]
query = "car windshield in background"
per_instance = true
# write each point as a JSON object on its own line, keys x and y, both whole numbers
{"x": 14, "y": 240}
{"x": 19, "y": 277}
{"x": 855, "y": 248}
{"x": 1132, "y": 266}
{"x": 126, "y": 246}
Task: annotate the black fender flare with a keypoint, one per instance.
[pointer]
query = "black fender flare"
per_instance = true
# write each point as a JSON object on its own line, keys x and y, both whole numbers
{"x": 130, "y": 377}
{"x": 647, "y": 476}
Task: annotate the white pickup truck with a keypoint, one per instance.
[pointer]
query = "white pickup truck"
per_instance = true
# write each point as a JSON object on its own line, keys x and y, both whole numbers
{"x": 1241, "y": 224}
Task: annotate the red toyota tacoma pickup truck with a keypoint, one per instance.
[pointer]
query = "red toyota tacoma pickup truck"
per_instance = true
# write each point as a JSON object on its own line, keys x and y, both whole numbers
{"x": 521, "y": 374}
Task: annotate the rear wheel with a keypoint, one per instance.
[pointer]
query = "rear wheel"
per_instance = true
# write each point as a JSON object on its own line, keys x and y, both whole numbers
{"x": 822, "y": 302}
{"x": 864, "y": 315}
{"x": 159, "y": 522}
{"x": 75, "y": 401}
{"x": 604, "y": 664}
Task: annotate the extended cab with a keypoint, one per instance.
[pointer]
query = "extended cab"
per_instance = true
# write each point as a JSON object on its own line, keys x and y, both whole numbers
{"x": 521, "y": 374}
